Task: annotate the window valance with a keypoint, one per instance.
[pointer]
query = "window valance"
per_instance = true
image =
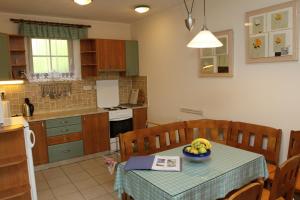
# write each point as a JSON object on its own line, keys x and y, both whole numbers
{"x": 52, "y": 31}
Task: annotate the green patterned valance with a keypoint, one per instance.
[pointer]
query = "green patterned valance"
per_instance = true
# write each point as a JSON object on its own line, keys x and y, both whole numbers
{"x": 34, "y": 30}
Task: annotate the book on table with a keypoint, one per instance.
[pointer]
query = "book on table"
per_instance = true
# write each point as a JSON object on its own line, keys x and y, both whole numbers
{"x": 160, "y": 163}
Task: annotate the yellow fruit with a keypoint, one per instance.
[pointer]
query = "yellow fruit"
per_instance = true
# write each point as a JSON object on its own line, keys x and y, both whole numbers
{"x": 188, "y": 149}
{"x": 201, "y": 143}
{"x": 194, "y": 151}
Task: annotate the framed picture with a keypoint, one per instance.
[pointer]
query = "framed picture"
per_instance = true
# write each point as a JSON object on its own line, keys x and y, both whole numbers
{"x": 272, "y": 34}
{"x": 218, "y": 62}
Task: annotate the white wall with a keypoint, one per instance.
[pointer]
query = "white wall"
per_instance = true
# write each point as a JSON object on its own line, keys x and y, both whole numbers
{"x": 266, "y": 94}
{"x": 100, "y": 29}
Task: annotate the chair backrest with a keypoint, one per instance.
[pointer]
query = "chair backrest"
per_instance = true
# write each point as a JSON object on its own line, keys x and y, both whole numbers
{"x": 285, "y": 179}
{"x": 294, "y": 144}
{"x": 151, "y": 140}
{"x": 252, "y": 191}
{"x": 214, "y": 130}
{"x": 256, "y": 138}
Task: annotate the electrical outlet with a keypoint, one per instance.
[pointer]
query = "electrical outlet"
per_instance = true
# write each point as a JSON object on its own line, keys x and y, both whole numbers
{"x": 87, "y": 87}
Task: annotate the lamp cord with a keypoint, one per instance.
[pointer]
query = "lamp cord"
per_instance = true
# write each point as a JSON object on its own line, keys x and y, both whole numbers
{"x": 204, "y": 24}
{"x": 188, "y": 11}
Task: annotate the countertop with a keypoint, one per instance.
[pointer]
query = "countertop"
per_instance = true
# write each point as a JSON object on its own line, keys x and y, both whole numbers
{"x": 72, "y": 113}
{"x": 62, "y": 114}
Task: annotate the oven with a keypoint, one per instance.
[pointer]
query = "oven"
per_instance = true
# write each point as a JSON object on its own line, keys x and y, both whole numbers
{"x": 120, "y": 126}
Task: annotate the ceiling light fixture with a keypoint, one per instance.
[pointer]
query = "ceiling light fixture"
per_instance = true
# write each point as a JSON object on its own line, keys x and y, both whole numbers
{"x": 142, "y": 9}
{"x": 83, "y": 2}
{"x": 205, "y": 38}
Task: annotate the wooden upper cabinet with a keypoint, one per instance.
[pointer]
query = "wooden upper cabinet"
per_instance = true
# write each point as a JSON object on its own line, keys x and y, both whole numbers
{"x": 111, "y": 55}
{"x": 139, "y": 118}
{"x": 95, "y": 133}
{"x": 40, "y": 149}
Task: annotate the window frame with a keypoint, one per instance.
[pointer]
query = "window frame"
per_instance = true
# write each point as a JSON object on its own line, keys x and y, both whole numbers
{"x": 70, "y": 55}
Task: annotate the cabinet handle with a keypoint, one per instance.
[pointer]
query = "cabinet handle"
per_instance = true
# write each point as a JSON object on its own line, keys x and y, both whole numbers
{"x": 66, "y": 151}
{"x": 65, "y": 122}
{"x": 42, "y": 124}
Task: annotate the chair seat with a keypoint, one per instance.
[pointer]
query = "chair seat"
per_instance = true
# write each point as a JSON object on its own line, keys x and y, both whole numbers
{"x": 266, "y": 194}
{"x": 271, "y": 170}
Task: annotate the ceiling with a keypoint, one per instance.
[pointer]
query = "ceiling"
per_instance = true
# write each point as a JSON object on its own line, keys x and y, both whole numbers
{"x": 102, "y": 10}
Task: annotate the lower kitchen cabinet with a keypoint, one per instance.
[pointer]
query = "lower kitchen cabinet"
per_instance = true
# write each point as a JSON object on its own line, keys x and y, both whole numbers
{"x": 139, "y": 118}
{"x": 40, "y": 149}
{"x": 65, "y": 151}
{"x": 95, "y": 133}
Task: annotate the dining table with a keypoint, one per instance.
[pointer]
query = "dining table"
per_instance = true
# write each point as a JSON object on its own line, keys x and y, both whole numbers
{"x": 227, "y": 169}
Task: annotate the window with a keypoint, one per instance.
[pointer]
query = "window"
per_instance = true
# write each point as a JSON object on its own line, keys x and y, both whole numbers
{"x": 51, "y": 55}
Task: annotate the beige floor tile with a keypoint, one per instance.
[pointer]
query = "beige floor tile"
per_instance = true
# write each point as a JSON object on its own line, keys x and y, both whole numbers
{"x": 45, "y": 195}
{"x": 57, "y": 182}
{"x": 88, "y": 183}
{"x": 72, "y": 169}
{"x": 104, "y": 178}
{"x": 104, "y": 197}
{"x": 96, "y": 171}
{"x": 109, "y": 186}
{"x": 39, "y": 176}
{"x": 72, "y": 196}
{"x": 53, "y": 173}
{"x": 42, "y": 185}
{"x": 93, "y": 192}
{"x": 63, "y": 190}
{"x": 79, "y": 176}
{"x": 87, "y": 164}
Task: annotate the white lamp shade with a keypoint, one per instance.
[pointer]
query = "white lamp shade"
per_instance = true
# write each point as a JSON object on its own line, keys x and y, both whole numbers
{"x": 204, "y": 39}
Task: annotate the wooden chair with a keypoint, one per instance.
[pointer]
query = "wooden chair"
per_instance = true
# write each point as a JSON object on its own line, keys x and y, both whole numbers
{"x": 151, "y": 140}
{"x": 252, "y": 191}
{"x": 214, "y": 130}
{"x": 283, "y": 186}
{"x": 294, "y": 149}
{"x": 259, "y": 139}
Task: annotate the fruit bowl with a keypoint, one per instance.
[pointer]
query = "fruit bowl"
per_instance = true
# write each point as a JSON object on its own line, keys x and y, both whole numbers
{"x": 196, "y": 157}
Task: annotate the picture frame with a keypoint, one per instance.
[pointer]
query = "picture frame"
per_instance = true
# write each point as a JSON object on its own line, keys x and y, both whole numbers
{"x": 272, "y": 34}
{"x": 218, "y": 62}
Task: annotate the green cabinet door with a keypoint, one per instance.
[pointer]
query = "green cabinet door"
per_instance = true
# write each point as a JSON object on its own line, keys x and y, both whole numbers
{"x": 5, "y": 69}
{"x": 132, "y": 58}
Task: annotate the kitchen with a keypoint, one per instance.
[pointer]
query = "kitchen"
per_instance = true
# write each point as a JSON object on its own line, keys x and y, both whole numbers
{"x": 153, "y": 79}
{"x": 69, "y": 121}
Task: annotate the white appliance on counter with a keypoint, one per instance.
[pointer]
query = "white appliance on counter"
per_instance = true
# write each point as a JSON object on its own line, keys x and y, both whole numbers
{"x": 120, "y": 118}
{"x": 29, "y": 144}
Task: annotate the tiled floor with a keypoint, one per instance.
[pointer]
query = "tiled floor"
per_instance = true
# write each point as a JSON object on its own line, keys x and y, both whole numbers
{"x": 85, "y": 180}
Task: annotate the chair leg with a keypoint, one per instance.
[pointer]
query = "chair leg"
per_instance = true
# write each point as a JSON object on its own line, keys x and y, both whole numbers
{"x": 124, "y": 196}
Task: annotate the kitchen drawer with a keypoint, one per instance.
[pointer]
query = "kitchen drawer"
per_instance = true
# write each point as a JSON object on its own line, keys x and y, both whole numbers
{"x": 65, "y": 151}
{"x": 51, "y": 123}
{"x": 76, "y": 128}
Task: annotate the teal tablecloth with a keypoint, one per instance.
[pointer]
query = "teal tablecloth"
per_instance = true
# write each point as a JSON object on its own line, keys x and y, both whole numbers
{"x": 227, "y": 169}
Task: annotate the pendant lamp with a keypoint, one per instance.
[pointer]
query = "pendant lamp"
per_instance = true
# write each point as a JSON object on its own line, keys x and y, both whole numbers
{"x": 205, "y": 38}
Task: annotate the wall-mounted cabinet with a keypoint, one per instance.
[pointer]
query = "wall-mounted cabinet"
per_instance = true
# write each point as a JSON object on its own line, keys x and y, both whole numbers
{"x": 89, "y": 58}
{"x": 5, "y": 69}
{"x": 111, "y": 55}
{"x": 17, "y": 56}
{"x": 132, "y": 58}
{"x": 13, "y": 57}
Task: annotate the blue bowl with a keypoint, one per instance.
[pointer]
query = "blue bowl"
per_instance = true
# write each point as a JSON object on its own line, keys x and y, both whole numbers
{"x": 196, "y": 157}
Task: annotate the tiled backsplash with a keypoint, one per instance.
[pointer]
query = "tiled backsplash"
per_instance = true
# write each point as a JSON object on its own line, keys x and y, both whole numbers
{"x": 78, "y": 99}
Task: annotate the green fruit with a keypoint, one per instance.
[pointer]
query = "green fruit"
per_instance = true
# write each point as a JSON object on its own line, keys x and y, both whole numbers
{"x": 202, "y": 150}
